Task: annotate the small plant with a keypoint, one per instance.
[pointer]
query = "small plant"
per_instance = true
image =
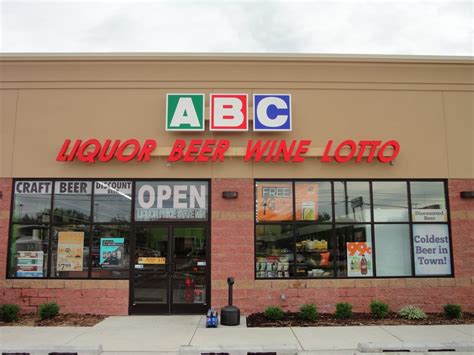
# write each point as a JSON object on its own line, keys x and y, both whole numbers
{"x": 452, "y": 311}
{"x": 379, "y": 309}
{"x": 48, "y": 310}
{"x": 343, "y": 310}
{"x": 9, "y": 312}
{"x": 412, "y": 312}
{"x": 274, "y": 313}
{"x": 308, "y": 312}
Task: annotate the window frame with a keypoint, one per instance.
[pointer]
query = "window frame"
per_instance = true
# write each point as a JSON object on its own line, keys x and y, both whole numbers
{"x": 372, "y": 224}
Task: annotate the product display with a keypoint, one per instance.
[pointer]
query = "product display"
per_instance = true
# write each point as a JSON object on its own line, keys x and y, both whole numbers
{"x": 274, "y": 266}
{"x": 313, "y": 258}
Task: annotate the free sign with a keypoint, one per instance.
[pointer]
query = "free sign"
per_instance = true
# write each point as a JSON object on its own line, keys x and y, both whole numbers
{"x": 228, "y": 112}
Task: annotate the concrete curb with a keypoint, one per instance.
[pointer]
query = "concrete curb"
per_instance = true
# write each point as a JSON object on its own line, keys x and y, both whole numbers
{"x": 47, "y": 349}
{"x": 238, "y": 350}
{"x": 415, "y": 347}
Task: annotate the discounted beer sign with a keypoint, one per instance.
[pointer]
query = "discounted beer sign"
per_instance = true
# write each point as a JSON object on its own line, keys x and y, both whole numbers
{"x": 185, "y": 112}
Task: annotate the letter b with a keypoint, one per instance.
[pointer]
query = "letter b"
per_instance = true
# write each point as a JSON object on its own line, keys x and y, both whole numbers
{"x": 229, "y": 112}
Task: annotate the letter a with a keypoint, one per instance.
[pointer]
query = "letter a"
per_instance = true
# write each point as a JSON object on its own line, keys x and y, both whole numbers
{"x": 185, "y": 112}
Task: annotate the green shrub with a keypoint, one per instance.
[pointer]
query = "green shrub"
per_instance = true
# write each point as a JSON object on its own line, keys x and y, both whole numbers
{"x": 48, "y": 310}
{"x": 452, "y": 311}
{"x": 379, "y": 309}
{"x": 274, "y": 313}
{"x": 343, "y": 310}
{"x": 412, "y": 312}
{"x": 9, "y": 312}
{"x": 308, "y": 312}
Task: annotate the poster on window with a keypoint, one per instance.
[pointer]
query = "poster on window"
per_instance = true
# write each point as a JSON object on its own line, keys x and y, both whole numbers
{"x": 70, "y": 251}
{"x": 274, "y": 201}
{"x": 359, "y": 259}
{"x": 431, "y": 249}
{"x": 430, "y": 215}
{"x": 152, "y": 260}
{"x": 29, "y": 264}
{"x": 121, "y": 188}
{"x": 111, "y": 252}
{"x": 306, "y": 201}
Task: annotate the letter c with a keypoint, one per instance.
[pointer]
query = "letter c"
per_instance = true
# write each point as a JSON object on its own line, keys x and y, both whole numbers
{"x": 262, "y": 112}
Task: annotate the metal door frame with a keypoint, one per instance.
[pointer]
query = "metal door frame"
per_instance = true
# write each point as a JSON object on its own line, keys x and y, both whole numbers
{"x": 171, "y": 308}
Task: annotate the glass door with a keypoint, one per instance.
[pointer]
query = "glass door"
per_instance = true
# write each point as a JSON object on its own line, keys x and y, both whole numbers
{"x": 170, "y": 270}
{"x": 189, "y": 276}
{"x": 149, "y": 291}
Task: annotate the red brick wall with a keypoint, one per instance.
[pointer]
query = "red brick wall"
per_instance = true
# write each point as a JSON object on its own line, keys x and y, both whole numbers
{"x": 5, "y": 200}
{"x": 73, "y": 296}
{"x": 233, "y": 253}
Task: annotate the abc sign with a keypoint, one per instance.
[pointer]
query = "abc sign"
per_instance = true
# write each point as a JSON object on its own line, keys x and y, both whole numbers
{"x": 228, "y": 112}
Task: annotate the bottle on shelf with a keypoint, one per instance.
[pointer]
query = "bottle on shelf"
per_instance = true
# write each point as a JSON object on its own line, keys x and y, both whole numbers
{"x": 363, "y": 265}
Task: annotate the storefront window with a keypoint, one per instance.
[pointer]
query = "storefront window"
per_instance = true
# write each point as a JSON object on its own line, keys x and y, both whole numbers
{"x": 294, "y": 219}
{"x": 72, "y": 201}
{"x": 313, "y": 201}
{"x": 171, "y": 200}
{"x": 428, "y": 201}
{"x": 354, "y": 250}
{"x": 32, "y": 202}
{"x": 352, "y": 201}
{"x": 29, "y": 251}
{"x": 89, "y": 234}
{"x": 275, "y": 201}
{"x": 275, "y": 254}
{"x": 110, "y": 251}
{"x": 390, "y": 201}
{"x": 314, "y": 251}
{"x": 112, "y": 201}
{"x": 393, "y": 250}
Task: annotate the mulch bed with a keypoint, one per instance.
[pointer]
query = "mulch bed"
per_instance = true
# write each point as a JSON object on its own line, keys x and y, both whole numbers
{"x": 327, "y": 320}
{"x": 61, "y": 320}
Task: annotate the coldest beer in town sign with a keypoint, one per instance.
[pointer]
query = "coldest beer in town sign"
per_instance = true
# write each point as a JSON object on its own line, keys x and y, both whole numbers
{"x": 185, "y": 112}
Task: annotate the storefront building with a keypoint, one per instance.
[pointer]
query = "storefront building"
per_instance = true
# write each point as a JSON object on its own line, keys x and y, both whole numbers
{"x": 138, "y": 184}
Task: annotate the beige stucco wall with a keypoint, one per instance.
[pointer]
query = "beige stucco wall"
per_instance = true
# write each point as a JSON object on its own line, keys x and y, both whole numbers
{"x": 425, "y": 104}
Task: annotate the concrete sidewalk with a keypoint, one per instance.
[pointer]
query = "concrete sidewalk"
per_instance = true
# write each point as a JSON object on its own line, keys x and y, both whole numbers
{"x": 148, "y": 335}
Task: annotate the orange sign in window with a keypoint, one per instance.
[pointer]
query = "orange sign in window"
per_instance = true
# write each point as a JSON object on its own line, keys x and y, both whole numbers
{"x": 156, "y": 261}
{"x": 274, "y": 201}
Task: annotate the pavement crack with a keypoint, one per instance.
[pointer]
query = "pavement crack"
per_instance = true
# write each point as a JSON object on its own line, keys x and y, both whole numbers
{"x": 78, "y": 335}
{"x": 195, "y": 330}
{"x": 386, "y": 331}
{"x": 294, "y": 334}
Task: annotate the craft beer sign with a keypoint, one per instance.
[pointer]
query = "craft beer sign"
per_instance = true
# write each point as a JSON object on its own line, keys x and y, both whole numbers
{"x": 228, "y": 112}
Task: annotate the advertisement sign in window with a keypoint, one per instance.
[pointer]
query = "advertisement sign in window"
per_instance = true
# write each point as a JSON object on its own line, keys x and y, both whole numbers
{"x": 29, "y": 264}
{"x": 70, "y": 251}
{"x": 431, "y": 249}
{"x": 306, "y": 200}
{"x": 430, "y": 215}
{"x": 111, "y": 252}
{"x": 152, "y": 260}
{"x": 275, "y": 201}
{"x": 173, "y": 200}
{"x": 359, "y": 259}
{"x": 123, "y": 188}
{"x": 72, "y": 188}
